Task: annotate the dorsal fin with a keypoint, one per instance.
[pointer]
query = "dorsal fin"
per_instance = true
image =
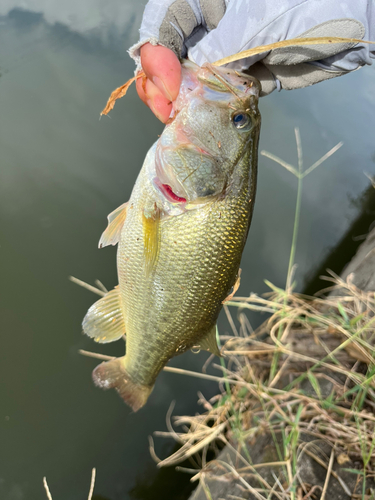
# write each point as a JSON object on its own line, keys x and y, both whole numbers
{"x": 104, "y": 321}
{"x": 116, "y": 220}
{"x": 209, "y": 343}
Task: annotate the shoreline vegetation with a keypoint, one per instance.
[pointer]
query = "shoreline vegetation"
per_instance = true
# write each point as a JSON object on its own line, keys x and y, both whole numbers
{"x": 295, "y": 411}
{"x": 295, "y": 415}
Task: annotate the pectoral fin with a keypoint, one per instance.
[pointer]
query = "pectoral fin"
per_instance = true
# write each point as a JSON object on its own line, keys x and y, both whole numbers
{"x": 151, "y": 237}
{"x": 116, "y": 220}
{"x": 104, "y": 321}
{"x": 209, "y": 343}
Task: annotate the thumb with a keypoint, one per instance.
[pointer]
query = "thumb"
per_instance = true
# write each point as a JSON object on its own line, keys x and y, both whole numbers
{"x": 163, "y": 68}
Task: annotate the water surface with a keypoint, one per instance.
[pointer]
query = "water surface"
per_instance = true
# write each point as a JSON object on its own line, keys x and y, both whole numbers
{"x": 61, "y": 172}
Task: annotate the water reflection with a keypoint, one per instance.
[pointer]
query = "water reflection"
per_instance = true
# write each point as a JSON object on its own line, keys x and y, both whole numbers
{"x": 62, "y": 171}
{"x": 88, "y": 17}
{"x": 163, "y": 483}
{"x": 342, "y": 253}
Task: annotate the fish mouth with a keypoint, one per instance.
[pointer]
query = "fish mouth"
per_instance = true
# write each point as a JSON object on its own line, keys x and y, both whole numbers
{"x": 168, "y": 193}
{"x": 168, "y": 185}
{"x": 174, "y": 189}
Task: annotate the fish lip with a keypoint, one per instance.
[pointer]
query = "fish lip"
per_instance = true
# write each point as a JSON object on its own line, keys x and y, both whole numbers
{"x": 253, "y": 86}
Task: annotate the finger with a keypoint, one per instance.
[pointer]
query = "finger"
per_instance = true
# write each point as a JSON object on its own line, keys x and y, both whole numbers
{"x": 139, "y": 85}
{"x": 163, "y": 68}
{"x": 154, "y": 99}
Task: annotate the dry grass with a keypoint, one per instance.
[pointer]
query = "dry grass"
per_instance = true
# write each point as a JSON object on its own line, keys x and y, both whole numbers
{"x": 91, "y": 491}
{"x": 273, "y": 385}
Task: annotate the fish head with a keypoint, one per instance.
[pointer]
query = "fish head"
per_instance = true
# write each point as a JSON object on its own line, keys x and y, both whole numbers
{"x": 215, "y": 122}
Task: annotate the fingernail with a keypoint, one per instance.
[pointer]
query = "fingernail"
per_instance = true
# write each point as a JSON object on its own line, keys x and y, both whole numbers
{"x": 160, "y": 85}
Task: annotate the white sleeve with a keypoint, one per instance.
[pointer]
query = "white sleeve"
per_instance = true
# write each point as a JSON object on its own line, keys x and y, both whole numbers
{"x": 248, "y": 24}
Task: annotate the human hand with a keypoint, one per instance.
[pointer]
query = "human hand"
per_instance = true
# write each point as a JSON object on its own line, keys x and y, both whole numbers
{"x": 205, "y": 31}
{"x": 193, "y": 19}
{"x": 161, "y": 85}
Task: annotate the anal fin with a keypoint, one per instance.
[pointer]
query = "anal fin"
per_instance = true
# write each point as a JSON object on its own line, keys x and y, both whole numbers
{"x": 116, "y": 219}
{"x": 209, "y": 343}
{"x": 104, "y": 321}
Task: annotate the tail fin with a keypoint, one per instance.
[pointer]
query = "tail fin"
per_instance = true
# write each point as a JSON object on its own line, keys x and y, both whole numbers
{"x": 112, "y": 374}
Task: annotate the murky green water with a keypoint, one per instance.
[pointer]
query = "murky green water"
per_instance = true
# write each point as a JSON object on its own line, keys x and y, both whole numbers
{"x": 61, "y": 172}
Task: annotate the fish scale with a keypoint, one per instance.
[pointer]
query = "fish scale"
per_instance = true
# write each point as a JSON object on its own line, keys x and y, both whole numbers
{"x": 179, "y": 251}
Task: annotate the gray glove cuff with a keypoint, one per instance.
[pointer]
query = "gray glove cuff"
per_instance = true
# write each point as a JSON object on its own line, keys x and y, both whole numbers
{"x": 272, "y": 77}
{"x": 303, "y": 75}
{"x": 290, "y": 56}
{"x": 267, "y": 81}
{"x": 178, "y": 24}
{"x": 289, "y": 67}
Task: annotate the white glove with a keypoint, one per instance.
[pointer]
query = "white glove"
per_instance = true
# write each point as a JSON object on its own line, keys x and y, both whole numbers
{"x": 209, "y": 30}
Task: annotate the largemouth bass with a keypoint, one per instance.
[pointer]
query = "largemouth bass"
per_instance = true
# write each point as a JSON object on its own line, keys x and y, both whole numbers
{"x": 182, "y": 233}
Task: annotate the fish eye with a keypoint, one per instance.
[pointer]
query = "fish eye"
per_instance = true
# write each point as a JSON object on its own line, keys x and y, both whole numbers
{"x": 241, "y": 120}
